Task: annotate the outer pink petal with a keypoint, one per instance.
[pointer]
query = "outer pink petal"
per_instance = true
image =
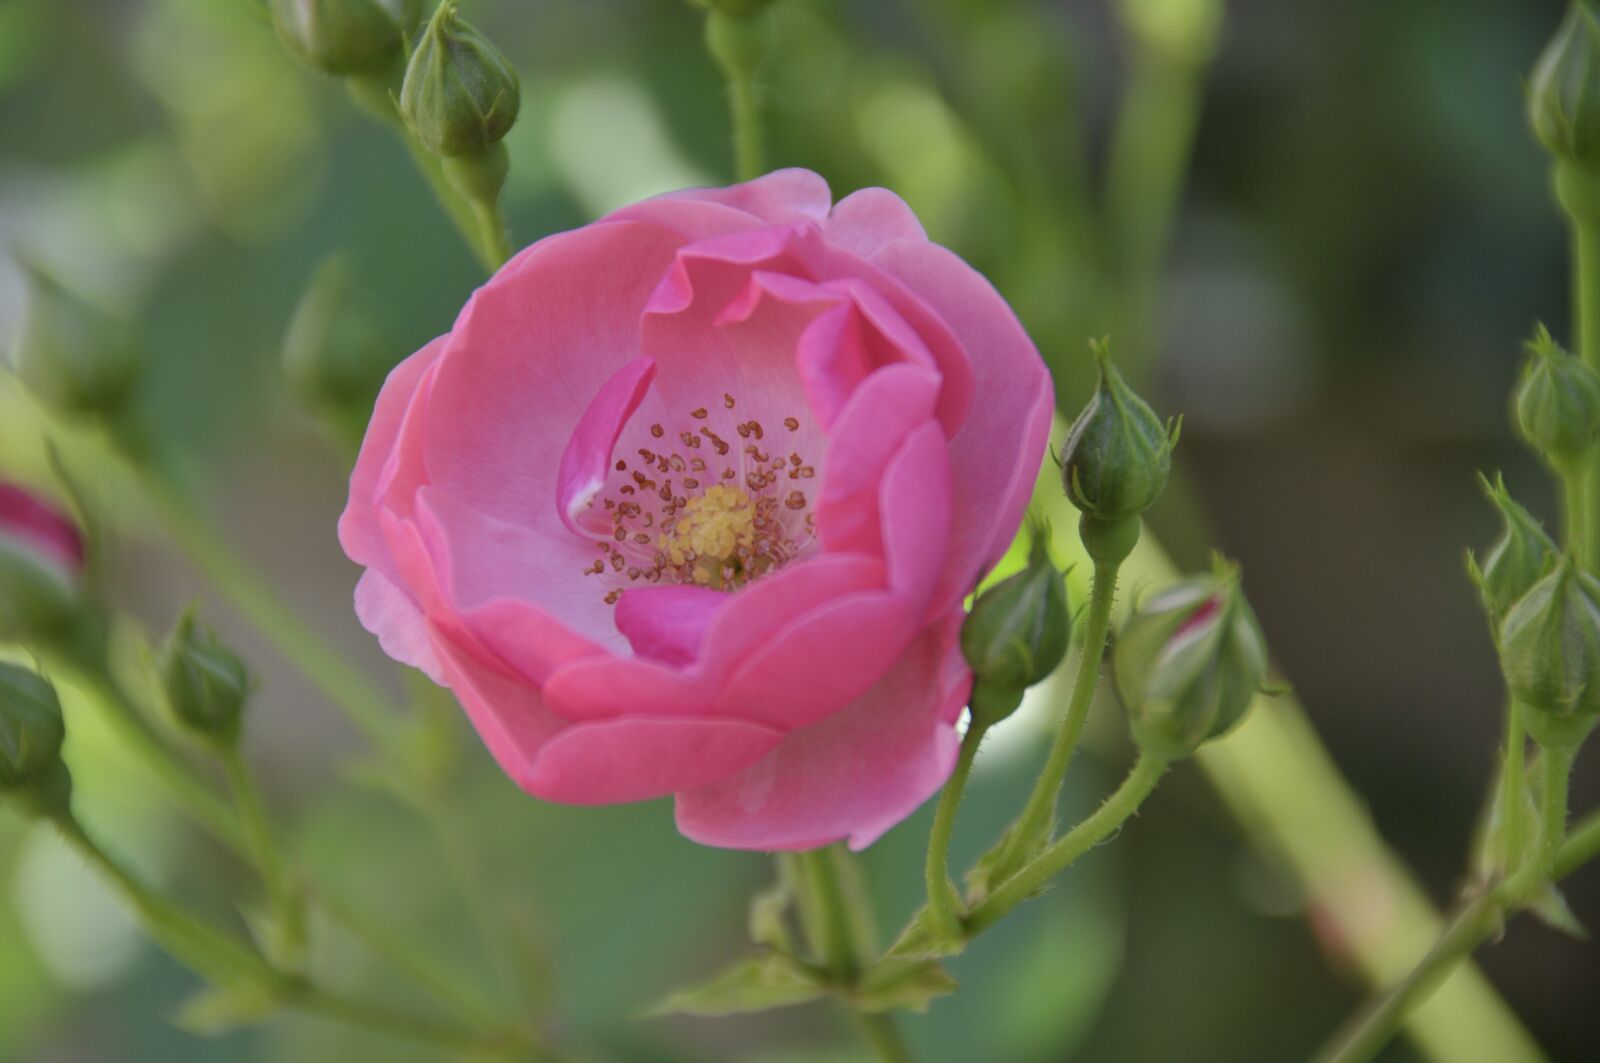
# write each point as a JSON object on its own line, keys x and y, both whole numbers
{"x": 389, "y": 613}
{"x": 358, "y": 528}
{"x": 865, "y": 220}
{"x": 853, "y": 775}
{"x": 508, "y": 715}
{"x": 634, "y": 759}
{"x": 778, "y": 198}
{"x": 996, "y": 455}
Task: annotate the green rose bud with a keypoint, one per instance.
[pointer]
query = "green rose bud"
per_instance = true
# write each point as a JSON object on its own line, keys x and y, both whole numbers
{"x": 1017, "y": 633}
{"x": 33, "y": 777}
{"x": 1115, "y": 463}
{"x": 1564, "y": 88}
{"x": 337, "y": 350}
{"x": 1550, "y": 654}
{"x": 204, "y": 682}
{"x": 1188, "y": 663}
{"x": 460, "y": 94}
{"x": 1558, "y": 404}
{"x": 1516, "y": 561}
{"x": 73, "y": 357}
{"x": 346, "y": 37}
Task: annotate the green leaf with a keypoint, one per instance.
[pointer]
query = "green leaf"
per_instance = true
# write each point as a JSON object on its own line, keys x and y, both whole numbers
{"x": 759, "y": 983}
{"x": 1549, "y": 906}
{"x": 900, "y": 984}
{"x": 768, "y": 909}
{"x": 216, "y": 1010}
{"x": 923, "y": 939}
{"x": 991, "y": 869}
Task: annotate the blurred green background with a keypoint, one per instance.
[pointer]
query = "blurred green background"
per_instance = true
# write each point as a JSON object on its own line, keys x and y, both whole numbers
{"x": 1363, "y": 237}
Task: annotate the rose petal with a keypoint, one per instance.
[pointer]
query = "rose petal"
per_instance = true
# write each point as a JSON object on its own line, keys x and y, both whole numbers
{"x": 635, "y": 759}
{"x": 853, "y": 775}
{"x": 587, "y": 460}
{"x": 996, "y": 455}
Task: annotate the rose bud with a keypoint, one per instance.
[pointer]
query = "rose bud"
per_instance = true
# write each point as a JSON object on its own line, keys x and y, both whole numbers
{"x": 73, "y": 357}
{"x": 1550, "y": 654}
{"x": 1564, "y": 88}
{"x": 1521, "y": 555}
{"x": 1017, "y": 633}
{"x": 337, "y": 350}
{"x": 346, "y": 37}
{"x": 461, "y": 94}
{"x": 205, "y": 683}
{"x": 1115, "y": 463}
{"x": 41, "y": 566}
{"x": 1558, "y": 404}
{"x": 33, "y": 777}
{"x": 1188, "y": 663}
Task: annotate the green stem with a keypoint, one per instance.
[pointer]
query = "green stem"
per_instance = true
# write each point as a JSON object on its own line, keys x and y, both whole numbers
{"x": 748, "y": 151}
{"x": 1478, "y": 918}
{"x": 354, "y": 1011}
{"x": 376, "y": 97}
{"x": 832, "y": 932}
{"x": 222, "y": 959}
{"x": 1575, "y": 485}
{"x": 1553, "y": 807}
{"x": 827, "y": 923}
{"x": 1041, "y": 807}
{"x": 1581, "y": 846}
{"x": 397, "y": 949}
{"x": 496, "y": 235}
{"x": 1110, "y": 816}
{"x": 1148, "y": 158}
{"x": 884, "y": 1036}
{"x": 192, "y": 796}
{"x": 258, "y": 832}
{"x": 311, "y": 654}
{"x": 943, "y": 898}
{"x": 209, "y": 952}
{"x": 1511, "y": 796}
{"x": 1578, "y": 189}
{"x": 738, "y": 42}
{"x": 1369, "y": 1030}
{"x": 473, "y": 884}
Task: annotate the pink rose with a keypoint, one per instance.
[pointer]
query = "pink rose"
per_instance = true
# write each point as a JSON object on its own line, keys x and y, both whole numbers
{"x": 688, "y": 500}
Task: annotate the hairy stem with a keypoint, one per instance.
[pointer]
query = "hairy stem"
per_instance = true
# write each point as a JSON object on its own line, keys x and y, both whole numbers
{"x": 1478, "y": 918}
{"x": 192, "y": 796}
{"x": 943, "y": 898}
{"x": 1041, "y": 807}
{"x": 1105, "y": 821}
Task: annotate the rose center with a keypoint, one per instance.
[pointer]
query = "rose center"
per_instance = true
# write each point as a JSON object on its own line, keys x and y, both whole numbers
{"x": 717, "y": 503}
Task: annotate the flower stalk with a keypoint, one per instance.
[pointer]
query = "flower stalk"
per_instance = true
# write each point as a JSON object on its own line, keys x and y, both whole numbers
{"x": 1117, "y": 809}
